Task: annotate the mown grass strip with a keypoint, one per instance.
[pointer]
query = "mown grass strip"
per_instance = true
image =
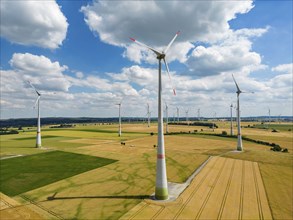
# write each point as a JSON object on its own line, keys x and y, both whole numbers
{"x": 22, "y": 174}
{"x": 110, "y": 131}
{"x": 34, "y": 137}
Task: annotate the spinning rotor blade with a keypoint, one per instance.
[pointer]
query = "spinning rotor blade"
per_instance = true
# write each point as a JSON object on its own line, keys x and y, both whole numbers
{"x": 238, "y": 90}
{"x": 174, "y": 91}
{"x": 171, "y": 42}
{"x": 37, "y": 101}
{"x": 33, "y": 87}
{"x": 144, "y": 45}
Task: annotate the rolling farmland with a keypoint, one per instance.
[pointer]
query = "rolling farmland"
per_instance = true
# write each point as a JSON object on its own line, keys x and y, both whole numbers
{"x": 254, "y": 184}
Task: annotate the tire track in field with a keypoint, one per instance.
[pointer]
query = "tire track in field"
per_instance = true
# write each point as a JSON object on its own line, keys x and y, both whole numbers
{"x": 257, "y": 193}
{"x": 7, "y": 204}
{"x": 193, "y": 192}
{"x": 210, "y": 191}
{"x": 158, "y": 212}
{"x": 240, "y": 214}
{"x": 226, "y": 191}
{"x": 138, "y": 211}
{"x": 41, "y": 207}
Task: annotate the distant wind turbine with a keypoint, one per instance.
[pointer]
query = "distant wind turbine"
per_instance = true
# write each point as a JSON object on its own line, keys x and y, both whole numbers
{"x": 177, "y": 114}
{"x": 119, "y": 130}
{"x": 231, "y": 119}
{"x": 215, "y": 115}
{"x": 148, "y": 113}
{"x": 186, "y": 112}
{"x": 239, "y": 138}
{"x": 38, "y": 138}
{"x": 167, "y": 119}
{"x": 198, "y": 114}
{"x": 161, "y": 192}
{"x": 269, "y": 112}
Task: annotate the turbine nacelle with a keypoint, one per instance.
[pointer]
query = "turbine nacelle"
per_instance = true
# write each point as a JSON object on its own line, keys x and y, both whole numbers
{"x": 161, "y": 55}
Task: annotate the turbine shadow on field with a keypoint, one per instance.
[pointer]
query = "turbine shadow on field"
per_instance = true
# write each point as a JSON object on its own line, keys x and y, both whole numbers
{"x": 98, "y": 197}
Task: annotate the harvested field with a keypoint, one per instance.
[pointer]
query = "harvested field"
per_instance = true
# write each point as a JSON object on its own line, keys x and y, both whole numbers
{"x": 11, "y": 209}
{"x": 224, "y": 189}
{"x": 112, "y": 191}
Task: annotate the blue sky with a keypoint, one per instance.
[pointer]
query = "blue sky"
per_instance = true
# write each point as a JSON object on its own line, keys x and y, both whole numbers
{"x": 78, "y": 54}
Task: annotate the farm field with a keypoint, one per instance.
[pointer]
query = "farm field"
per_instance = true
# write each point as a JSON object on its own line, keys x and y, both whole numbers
{"x": 120, "y": 188}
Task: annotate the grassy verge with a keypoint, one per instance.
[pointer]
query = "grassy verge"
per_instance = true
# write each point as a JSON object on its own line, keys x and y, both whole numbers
{"x": 22, "y": 174}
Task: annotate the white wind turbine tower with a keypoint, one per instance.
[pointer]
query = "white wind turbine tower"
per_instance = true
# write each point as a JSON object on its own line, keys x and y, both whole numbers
{"x": 161, "y": 192}
{"x": 148, "y": 113}
{"x": 198, "y": 114}
{"x": 269, "y": 111}
{"x": 186, "y": 113}
{"x": 119, "y": 130}
{"x": 231, "y": 119}
{"x": 167, "y": 119}
{"x": 239, "y": 138}
{"x": 214, "y": 119}
{"x": 38, "y": 138}
{"x": 177, "y": 114}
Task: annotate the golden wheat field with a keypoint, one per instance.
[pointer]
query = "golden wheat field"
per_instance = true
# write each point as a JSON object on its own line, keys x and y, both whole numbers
{"x": 253, "y": 184}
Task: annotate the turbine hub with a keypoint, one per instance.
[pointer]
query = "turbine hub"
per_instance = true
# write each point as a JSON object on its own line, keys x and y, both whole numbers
{"x": 161, "y": 56}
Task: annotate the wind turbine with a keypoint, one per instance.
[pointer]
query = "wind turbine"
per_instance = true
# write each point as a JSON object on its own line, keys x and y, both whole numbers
{"x": 186, "y": 112}
{"x": 148, "y": 113}
{"x": 239, "y": 138}
{"x": 269, "y": 111}
{"x": 177, "y": 114}
{"x": 198, "y": 114}
{"x": 161, "y": 192}
{"x": 214, "y": 119}
{"x": 167, "y": 119}
{"x": 231, "y": 119}
{"x": 38, "y": 138}
{"x": 119, "y": 131}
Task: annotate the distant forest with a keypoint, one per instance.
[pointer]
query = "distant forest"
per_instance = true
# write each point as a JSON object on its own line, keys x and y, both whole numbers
{"x": 29, "y": 122}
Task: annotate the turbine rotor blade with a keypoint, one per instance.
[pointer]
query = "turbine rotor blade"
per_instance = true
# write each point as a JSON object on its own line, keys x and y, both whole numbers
{"x": 174, "y": 91}
{"x": 37, "y": 101}
{"x": 144, "y": 45}
{"x": 171, "y": 42}
{"x": 238, "y": 89}
{"x": 33, "y": 87}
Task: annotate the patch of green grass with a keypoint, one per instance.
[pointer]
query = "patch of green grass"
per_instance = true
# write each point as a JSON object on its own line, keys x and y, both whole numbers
{"x": 279, "y": 127}
{"x": 22, "y": 174}
{"x": 110, "y": 131}
{"x": 33, "y": 137}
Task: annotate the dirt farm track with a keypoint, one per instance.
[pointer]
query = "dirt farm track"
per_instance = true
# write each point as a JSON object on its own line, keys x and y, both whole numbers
{"x": 224, "y": 189}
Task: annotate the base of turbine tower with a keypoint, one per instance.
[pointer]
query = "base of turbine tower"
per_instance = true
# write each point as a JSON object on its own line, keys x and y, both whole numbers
{"x": 38, "y": 145}
{"x": 239, "y": 143}
{"x": 161, "y": 194}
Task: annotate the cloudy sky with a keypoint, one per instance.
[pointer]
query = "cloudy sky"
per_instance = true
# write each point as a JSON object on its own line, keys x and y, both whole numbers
{"x": 79, "y": 56}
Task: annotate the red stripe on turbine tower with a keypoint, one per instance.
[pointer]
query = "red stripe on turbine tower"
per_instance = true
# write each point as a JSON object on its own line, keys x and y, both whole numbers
{"x": 160, "y": 156}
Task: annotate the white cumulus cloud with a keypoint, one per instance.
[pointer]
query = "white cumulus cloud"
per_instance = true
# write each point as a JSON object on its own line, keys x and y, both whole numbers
{"x": 156, "y": 22}
{"x": 233, "y": 54}
{"x": 39, "y": 70}
{"x": 38, "y": 23}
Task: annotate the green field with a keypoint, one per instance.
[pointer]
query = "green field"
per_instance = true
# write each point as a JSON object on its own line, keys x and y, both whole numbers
{"x": 111, "y": 191}
{"x": 22, "y": 174}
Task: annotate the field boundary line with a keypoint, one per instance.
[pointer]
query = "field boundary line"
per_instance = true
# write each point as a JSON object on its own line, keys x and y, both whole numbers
{"x": 158, "y": 212}
{"x": 9, "y": 206}
{"x": 139, "y": 211}
{"x": 41, "y": 207}
{"x": 226, "y": 191}
{"x": 257, "y": 193}
{"x": 267, "y": 197}
{"x": 210, "y": 191}
{"x": 242, "y": 191}
{"x": 193, "y": 192}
